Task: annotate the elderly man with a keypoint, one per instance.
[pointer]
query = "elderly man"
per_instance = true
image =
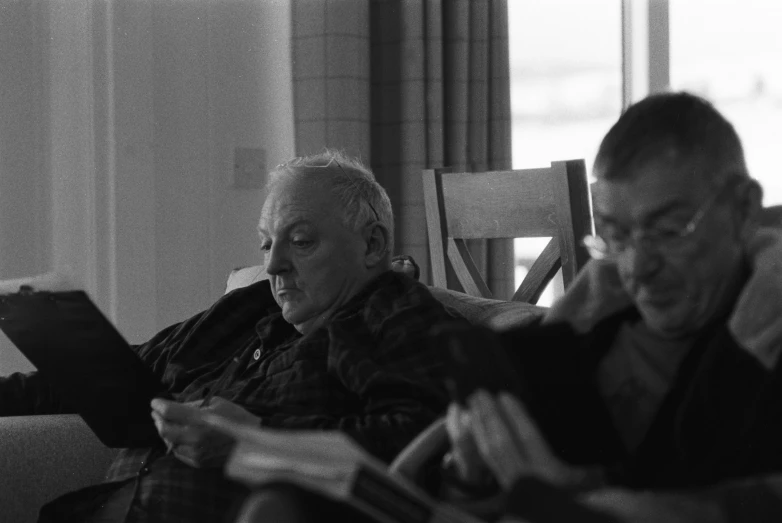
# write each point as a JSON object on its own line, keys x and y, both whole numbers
{"x": 659, "y": 369}
{"x": 333, "y": 340}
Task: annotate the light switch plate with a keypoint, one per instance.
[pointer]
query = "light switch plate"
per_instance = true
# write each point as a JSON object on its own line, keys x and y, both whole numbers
{"x": 249, "y": 168}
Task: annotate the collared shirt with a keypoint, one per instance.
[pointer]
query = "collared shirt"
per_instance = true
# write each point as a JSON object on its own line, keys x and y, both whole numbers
{"x": 369, "y": 372}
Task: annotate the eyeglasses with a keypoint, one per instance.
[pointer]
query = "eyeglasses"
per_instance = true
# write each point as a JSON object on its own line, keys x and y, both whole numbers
{"x": 666, "y": 240}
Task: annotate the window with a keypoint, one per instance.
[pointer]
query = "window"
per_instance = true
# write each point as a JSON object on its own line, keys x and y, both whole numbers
{"x": 730, "y": 52}
{"x": 567, "y": 86}
{"x": 566, "y": 90}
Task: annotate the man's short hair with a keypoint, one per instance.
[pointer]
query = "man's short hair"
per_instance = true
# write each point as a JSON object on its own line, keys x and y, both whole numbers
{"x": 363, "y": 199}
{"x": 681, "y": 124}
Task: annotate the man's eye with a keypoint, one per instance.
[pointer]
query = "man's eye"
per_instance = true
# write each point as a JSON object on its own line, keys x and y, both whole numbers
{"x": 301, "y": 244}
{"x": 614, "y": 236}
{"x": 664, "y": 233}
{"x": 266, "y": 246}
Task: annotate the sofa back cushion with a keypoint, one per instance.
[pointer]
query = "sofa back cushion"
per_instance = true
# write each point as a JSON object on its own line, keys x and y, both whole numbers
{"x": 496, "y": 314}
{"x": 244, "y": 276}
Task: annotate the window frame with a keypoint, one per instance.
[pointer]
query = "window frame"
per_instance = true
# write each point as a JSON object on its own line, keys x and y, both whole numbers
{"x": 646, "y": 64}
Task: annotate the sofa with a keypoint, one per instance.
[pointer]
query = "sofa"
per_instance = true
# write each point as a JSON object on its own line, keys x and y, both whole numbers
{"x": 42, "y": 457}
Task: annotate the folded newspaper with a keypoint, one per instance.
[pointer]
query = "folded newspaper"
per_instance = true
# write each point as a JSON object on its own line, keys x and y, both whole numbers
{"x": 332, "y": 464}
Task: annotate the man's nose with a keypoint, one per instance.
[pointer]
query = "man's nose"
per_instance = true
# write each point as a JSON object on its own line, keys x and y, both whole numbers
{"x": 643, "y": 260}
{"x": 277, "y": 260}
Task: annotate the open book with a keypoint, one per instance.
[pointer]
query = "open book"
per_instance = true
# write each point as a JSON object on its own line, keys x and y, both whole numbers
{"x": 82, "y": 356}
{"x": 332, "y": 464}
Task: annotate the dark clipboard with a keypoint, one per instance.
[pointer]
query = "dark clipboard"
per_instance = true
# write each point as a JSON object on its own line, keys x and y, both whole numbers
{"x": 87, "y": 361}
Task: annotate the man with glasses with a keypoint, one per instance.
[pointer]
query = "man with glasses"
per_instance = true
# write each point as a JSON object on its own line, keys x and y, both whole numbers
{"x": 334, "y": 339}
{"x": 653, "y": 388}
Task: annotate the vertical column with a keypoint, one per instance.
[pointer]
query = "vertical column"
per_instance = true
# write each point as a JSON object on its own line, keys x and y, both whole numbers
{"x": 645, "y": 49}
{"x": 659, "y": 46}
{"x": 72, "y": 153}
{"x": 125, "y": 164}
{"x": 101, "y": 158}
{"x": 635, "y": 51}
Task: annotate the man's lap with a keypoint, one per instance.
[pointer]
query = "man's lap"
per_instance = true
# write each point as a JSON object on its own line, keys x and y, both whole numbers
{"x": 104, "y": 503}
{"x": 278, "y": 503}
{"x": 281, "y": 503}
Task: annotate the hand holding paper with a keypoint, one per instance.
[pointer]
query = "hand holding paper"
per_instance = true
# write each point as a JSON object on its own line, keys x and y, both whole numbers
{"x": 511, "y": 444}
{"x": 190, "y": 438}
{"x": 332, "y": 464}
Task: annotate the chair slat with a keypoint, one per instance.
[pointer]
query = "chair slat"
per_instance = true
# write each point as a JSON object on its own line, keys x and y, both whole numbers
{"x": 543, "y": 269}
{"x": 435, "y": 223}
{"x": 771, "y": 216}
{"x": 466, "y": 270}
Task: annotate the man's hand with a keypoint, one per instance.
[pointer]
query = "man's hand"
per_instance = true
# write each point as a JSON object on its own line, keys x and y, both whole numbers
{"x": 191, "y": 441}
{"x": 511, "y": 445}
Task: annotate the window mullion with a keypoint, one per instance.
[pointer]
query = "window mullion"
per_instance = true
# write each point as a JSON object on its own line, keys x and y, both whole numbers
{"x": 659, "y": 46}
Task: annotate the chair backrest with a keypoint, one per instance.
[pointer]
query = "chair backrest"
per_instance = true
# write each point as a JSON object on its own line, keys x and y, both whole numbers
{"x": 525, "y": 203}
{"x": 771, "y": 216}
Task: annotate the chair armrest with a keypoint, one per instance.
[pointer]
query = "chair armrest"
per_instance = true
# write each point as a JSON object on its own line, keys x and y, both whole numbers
{"x": 431, "y": 444}
{"x": 428, "y": 445}
{"x": 42, "y": 457}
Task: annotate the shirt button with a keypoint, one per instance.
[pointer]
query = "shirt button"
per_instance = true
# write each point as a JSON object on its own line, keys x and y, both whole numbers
{"x": 144, "y": 469}
{"x": 257, "y": 354}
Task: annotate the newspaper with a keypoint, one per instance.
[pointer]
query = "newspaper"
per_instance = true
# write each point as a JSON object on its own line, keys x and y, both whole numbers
{"x": 332, "y": 464}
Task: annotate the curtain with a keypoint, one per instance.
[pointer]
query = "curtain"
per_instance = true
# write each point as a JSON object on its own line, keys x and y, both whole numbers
{"x": 408, "y": 85}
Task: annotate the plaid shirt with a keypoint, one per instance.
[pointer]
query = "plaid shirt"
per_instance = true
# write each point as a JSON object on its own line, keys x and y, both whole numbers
{"x": 369, "y": 373}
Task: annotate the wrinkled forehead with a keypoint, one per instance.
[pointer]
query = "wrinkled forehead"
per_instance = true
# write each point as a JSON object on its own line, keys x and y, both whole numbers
{"x": 294, "y": 199}
{"x": 657, "y": 185}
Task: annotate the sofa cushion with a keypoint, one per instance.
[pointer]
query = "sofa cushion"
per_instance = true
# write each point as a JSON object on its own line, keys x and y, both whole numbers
{"x": 244, "y": 276}
{"x": 496, "y": 314}
{"x": 43, "y": 457}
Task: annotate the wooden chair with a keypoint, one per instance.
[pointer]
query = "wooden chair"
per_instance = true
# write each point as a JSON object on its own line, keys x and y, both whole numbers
{"x": 550, "y": 201}
{"x": 771, "y": 216}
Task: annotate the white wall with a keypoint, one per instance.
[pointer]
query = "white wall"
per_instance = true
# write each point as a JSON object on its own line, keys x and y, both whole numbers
{"x": 141, "y": 105}
{"x": 25, "y": 231}
{"x": 221, "y": 80}
{"x": 25, "y": 210}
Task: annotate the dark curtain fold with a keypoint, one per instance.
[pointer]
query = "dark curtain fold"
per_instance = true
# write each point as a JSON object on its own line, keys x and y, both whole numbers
{"x": 408, "y": 85}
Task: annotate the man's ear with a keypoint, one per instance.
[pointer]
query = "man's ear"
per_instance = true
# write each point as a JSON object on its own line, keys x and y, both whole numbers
{"x": 750, "y": 205}
{"x": 376, "y": 240}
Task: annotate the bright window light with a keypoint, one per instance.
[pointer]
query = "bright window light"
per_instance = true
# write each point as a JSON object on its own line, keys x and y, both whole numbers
{"x": 566, "y": 90}
{"x": 730, "y": 52}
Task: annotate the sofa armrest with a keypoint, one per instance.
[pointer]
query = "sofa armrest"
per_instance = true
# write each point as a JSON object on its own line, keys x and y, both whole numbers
{"x": 499, "y": 315}
{"x": 42, "y": 457}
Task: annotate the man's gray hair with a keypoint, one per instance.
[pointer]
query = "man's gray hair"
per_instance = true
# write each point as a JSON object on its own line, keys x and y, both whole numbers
{"x": 363, "y": 199}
